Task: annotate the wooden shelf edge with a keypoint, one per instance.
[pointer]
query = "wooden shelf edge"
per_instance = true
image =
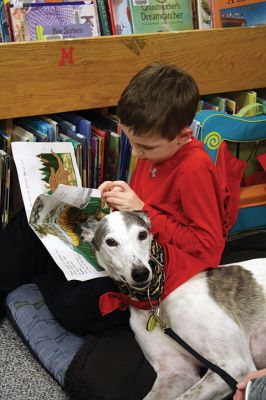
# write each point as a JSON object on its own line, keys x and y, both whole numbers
{"x": 63, "y": 75}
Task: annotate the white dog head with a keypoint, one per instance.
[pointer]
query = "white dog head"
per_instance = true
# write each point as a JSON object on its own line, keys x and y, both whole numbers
{"x": 122, "y": 242}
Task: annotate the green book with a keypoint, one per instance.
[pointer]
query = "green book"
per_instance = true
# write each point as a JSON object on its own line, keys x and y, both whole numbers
{"x": 104, "y": 18}
{"x": 160, "y": 16}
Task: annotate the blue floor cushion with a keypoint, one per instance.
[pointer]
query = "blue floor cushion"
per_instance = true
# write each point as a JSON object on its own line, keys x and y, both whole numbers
{"x": 53, "y": 345}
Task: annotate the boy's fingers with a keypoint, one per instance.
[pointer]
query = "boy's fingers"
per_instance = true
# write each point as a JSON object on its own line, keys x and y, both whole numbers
{"x": 114, "y": 201}
{"x": 123, "y": 185}
{"x": 105, "y": 186}
{"x": 241, "y": 385}
{"x": 113, "y": 193}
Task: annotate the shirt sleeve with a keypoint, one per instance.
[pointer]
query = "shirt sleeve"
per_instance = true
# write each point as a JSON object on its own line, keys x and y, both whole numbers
{"x": 198, "y": 228}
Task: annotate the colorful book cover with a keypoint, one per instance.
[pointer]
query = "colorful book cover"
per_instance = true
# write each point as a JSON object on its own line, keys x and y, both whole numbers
{"x": 204, "y": 14}
{"x": 5, "y": 188}
{"x": 94, "y": 160}
{"x": 194, "y": 13}
{"x": 39, "y": 128}
{"x": 121, "y": 17}
{"x": 112, "y": 156}
{"x": 244, "y": 98}
{"x": 205, "y": 105}
{"x": 112, "y": 17}
{"x": 131, "y": 168}
{"x": 217, "y": 101}
{"x": 230, "y": 106}
{"x": 77, "y": 148}
{"x": 4, "y": 23}
{"x": 158, "y": 16}
{"x": 41, "y": 21}
{"x": 22, "y": 135}
{"x": 238, "y": 13}
{"x": 125, "y": 153}
{"x": 101, "y": 152}
{"x": 54, "y": 126}
{"x": 5, "y": 140}
{"x": 83, "y": 126}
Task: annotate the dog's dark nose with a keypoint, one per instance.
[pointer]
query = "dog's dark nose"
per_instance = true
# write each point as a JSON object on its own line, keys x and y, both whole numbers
{"x": 140, "y": 274}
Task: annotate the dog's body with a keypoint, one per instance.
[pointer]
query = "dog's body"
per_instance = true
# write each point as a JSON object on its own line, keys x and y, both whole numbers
{"x": 221, "y": 313}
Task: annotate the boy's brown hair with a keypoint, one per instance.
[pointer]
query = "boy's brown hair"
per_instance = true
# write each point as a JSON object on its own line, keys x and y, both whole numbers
{"x": 159, "y": 100}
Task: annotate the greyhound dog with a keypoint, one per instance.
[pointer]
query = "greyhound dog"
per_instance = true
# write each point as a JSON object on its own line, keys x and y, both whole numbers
{"x": 221, "y": 312}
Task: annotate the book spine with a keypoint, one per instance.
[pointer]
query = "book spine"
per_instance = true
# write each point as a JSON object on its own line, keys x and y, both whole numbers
{"x": 194, "y": 13}
{"x": 104, "y": 18}
{"x": 112, "y": 17}
{"x": 9, "y": 22}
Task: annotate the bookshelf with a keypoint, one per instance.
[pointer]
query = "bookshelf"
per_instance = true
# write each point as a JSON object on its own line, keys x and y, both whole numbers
{"x": 64, "y": 75}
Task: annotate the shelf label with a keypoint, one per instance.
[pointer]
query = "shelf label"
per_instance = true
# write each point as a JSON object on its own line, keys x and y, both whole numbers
{"x": 66, "y": 56}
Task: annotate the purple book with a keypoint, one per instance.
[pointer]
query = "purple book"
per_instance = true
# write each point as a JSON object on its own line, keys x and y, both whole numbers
{"x": 42, "y": 21}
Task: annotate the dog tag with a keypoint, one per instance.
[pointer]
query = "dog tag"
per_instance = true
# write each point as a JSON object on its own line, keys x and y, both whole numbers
{"x": 151, "y": 323}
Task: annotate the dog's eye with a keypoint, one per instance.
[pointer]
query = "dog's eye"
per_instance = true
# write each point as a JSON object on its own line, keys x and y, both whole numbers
{"x": 111, "y": 242}
{"x": 143, "y": 235}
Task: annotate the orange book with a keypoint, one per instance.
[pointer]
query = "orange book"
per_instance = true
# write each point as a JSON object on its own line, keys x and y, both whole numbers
{"x": 227, "y": 14}
{"x": 251, "y": 196}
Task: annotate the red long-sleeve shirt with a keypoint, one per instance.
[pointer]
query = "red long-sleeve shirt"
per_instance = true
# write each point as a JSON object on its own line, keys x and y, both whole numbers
{"x": 187, "y": 202}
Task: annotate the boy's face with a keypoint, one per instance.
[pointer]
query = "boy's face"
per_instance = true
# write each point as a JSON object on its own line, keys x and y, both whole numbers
{"x": 151, "y": 148}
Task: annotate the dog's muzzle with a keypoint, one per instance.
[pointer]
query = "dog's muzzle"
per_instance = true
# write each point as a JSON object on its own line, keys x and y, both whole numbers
{"x": 140, "y": 275}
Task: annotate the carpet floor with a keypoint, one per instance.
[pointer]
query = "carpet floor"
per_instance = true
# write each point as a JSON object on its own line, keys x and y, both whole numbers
{"x": 21, "y": 376}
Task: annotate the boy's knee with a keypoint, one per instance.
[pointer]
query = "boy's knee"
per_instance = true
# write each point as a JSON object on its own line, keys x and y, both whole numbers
{"x": 116, "y": 356}
{"x": 76, "y": 306}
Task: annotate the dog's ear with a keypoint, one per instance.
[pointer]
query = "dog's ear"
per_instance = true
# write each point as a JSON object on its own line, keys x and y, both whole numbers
{"x": 144, "y": 215}
{"x": 88, "y": 229}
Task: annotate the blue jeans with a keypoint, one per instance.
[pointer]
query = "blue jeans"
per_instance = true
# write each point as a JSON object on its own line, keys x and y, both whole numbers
{"x": 258, "y": 389}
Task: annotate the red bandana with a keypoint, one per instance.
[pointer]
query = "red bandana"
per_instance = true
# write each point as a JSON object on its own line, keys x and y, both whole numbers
{"x": 112, "y": 301}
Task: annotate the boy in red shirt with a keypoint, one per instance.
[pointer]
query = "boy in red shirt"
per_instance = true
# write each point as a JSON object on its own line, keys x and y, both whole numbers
{"x": 177, "y": 184}
{"x": 175, "y": 180}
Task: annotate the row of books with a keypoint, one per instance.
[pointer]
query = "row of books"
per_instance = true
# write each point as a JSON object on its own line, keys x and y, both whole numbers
{"x": 102, "y": 150}
{"x": 49, "y": 19}
{"x": 246, "y": 102}
{"x": 233, "y": 102}
{"x": 46, "y": 19}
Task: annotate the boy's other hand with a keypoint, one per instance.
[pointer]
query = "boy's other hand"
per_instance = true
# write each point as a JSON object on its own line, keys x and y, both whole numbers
{"x": 120, "y": 196}
{"x": 241, "y": 386}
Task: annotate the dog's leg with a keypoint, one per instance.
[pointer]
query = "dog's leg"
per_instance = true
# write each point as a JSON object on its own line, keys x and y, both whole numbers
{"x": 212, "y": 387}
{"x": 175, "y": 372}
{"x": 258, "y": 347}
{"x": 168, "y": 385}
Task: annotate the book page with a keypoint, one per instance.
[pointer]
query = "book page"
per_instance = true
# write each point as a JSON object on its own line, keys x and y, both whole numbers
{"x": 56, "y": 210}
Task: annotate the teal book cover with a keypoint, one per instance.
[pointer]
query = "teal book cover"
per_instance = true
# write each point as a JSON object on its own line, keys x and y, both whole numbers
{"x": 160, "y": 15}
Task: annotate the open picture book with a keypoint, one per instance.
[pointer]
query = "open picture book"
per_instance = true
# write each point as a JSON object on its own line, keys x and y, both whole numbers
{"x": 57, "y": 205}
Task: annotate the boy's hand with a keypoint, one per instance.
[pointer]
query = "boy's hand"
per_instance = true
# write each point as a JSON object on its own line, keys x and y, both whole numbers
{"x": 241, "y": 386}
{"x": 120, "y": 196}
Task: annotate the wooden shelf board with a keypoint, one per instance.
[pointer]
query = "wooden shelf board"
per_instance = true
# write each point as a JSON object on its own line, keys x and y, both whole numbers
{"x": 33, "y": 81}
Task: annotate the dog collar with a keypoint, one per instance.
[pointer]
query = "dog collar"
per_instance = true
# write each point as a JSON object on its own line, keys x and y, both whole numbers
{"x": 156, "y": 263}
{"x": 110, "y": 301}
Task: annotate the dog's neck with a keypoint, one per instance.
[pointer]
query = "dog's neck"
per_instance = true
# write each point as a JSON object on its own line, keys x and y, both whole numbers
{"x": 158, "y": 277}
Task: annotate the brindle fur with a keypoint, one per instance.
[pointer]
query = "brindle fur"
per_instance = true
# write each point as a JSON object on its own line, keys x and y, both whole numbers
{"x": 238, "y": 293}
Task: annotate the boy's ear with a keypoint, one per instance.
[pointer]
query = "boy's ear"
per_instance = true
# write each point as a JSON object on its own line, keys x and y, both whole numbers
{"x": 184, "y": 135}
